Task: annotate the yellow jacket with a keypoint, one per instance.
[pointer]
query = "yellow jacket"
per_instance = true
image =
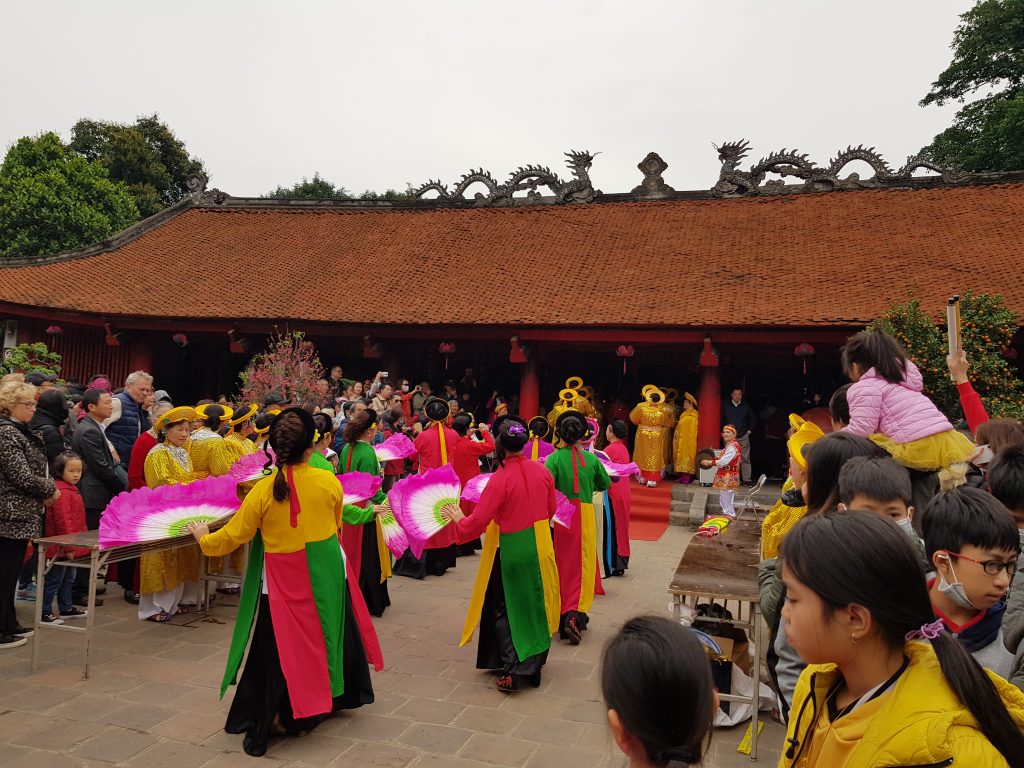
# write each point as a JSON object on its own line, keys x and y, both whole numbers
{"x": 920, "y": 722}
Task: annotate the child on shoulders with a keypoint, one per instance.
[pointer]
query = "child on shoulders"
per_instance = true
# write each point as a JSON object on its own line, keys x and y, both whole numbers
{"x": 888, "y": 406}
{"x": 972, "y": 542}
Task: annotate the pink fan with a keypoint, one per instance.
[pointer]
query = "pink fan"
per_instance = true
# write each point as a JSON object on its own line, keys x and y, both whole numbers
{"x": 359, "y": 486}
{"x": 398, "y": 446}
{"x": 565, "y": 510}
{"x": 151, "y": 514}
{"x": 417, "y": 502}
{"x": 394, "y": 536}
{"x": 249, "y": 467}
{"x": 617, "y": 470}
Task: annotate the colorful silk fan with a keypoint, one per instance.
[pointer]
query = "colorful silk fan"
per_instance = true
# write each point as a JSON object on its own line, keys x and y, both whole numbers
{"x": 617, "y": 470}
{"x": 249, "y": 467}
{"x": 398, "y": 446}
{"x": 151, "y": 514}
{"x": 394, "y": 536}
{"x": 417, "y": 502}
{"x": 565, "y": 510}
{"x": 359, "y": 486}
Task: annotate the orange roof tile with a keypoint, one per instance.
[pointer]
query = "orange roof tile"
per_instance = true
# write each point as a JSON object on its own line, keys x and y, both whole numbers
{"x": 794, "y": 260}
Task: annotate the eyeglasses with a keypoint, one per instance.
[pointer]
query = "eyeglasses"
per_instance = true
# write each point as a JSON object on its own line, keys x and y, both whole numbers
{"x": 30, "y": 404}
{"x": 992, "y": 567}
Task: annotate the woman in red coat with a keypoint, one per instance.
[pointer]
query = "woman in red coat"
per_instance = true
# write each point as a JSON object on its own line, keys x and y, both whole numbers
{"x": 466, "y": 463}
{"x": 618, "y": 499}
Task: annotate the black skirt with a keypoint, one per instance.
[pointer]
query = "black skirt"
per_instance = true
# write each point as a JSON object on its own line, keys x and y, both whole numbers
{"x": 375, "y": 591}
{"x": 433, "y": 563}
{"x": 262, "y": 694}
{"x": 612, "y": 562}
{"x": 495, "y": 651}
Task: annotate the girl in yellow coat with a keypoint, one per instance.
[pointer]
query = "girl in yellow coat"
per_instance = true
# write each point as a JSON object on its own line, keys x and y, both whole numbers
{"x": 886, "y": 684}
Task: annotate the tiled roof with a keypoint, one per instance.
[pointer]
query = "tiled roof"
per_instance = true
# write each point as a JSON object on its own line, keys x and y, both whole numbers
{"x": 800, "y": 260}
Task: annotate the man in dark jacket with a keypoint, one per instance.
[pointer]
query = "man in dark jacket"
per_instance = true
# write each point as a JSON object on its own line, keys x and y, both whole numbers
{"x": 737, "y": 411}
{"x": 49, "y": 422}
{"x": 133, "y": 419}
{"x": 99, "y": 483}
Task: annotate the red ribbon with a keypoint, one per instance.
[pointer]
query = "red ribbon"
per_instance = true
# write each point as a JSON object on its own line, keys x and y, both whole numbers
{"x": 576, "y": 457}
{"x": 293, "y": 498}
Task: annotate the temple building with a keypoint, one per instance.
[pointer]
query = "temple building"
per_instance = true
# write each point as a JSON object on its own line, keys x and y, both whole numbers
{"x": 756, "y": 281}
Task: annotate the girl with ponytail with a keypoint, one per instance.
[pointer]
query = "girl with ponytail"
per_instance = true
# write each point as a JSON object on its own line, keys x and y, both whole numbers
{"x": 886, "y": 684}
{"x": 306, "y": 638}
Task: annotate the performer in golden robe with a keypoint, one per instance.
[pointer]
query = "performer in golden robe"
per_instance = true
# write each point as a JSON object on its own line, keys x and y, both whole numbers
{"x": 168, "y": 580}
{"x": 684, "y": 455}
{"x": 567, "y": 400}
{"x": 671, "y": 410}
{"x": 237, "y": 440}
{"x": 652, "y": 422}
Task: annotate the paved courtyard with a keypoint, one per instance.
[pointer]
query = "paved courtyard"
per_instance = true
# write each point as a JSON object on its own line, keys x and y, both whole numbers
{"x": 151, "y": 700}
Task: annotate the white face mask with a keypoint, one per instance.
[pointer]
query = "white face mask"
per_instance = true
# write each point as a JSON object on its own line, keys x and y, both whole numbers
{"x": 907, "y": 526}
{"x": 955, "y": 591}
{"x": 405, "y": 387}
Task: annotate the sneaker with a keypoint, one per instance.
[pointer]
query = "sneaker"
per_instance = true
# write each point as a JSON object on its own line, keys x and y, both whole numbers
{"x": 74, "y": 613}
{"x": 11, "y": 641}
{"x": 27, "y": 593}
{"x": 49, "y": 618}
{"x": 25, "y": 632}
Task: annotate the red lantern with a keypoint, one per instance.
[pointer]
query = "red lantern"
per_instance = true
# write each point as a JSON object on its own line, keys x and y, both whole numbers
{"x": 446, "y": 348}
{"x": 518, "y": 353}
{"x": 180, "y": 339}
{"x": 803, "y": 351}
{"x": 54, "y": 330}
{"x": 625, "y": 351}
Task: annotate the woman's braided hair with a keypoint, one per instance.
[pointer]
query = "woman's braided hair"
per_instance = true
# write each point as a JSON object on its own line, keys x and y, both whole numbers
{"x": 290, "y": 436}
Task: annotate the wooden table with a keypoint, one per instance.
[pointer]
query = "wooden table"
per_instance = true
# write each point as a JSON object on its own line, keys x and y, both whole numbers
{"x": 723, "y": 569}
{"x": 95, "y": 560}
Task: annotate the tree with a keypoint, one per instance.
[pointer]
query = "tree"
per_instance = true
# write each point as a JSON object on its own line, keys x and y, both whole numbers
{"x": 53, "y": 200}
{"x": 988, "y": 328}
{"x": 147, "y": 157}
{"x": 26, "y": 358}
{"x": 988, "y": 53}
{"x": 289, "y": 366}
{"x": 318, "y": 188}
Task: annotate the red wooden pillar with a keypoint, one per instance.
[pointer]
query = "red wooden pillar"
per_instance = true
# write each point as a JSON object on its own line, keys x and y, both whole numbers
{"x": 529, "y": 390}
{"x": 141, "y": 355}
{"x": 709, "y": 400}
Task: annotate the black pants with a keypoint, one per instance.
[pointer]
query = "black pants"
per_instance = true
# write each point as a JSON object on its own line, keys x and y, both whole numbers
{"x": 495, "y": 650}
{"x": 12, "y": 552}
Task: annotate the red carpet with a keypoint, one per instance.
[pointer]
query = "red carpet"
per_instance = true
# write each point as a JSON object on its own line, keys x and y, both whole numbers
{"x": 649, "y": 511}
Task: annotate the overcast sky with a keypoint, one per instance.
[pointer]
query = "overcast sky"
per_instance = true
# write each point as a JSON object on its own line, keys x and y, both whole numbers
{"x": 378, "y": 94}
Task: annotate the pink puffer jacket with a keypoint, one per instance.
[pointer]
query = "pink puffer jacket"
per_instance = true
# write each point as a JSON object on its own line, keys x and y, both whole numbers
{"x": 899, "y": 411}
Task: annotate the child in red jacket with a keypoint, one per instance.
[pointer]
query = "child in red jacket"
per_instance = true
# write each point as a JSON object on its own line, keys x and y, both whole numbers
{"x": 67, "y": 515}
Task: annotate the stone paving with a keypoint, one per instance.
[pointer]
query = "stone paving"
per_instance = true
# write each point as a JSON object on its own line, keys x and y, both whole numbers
{"x": 151, "y": 700}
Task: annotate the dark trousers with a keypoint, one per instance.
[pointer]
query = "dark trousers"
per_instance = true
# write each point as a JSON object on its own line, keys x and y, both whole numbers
{"x": 12, "y": 552}
{"x": 92, "y": 522}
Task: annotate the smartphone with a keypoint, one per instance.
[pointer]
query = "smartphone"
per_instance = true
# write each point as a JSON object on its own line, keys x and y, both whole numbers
{"x": 384, "y": 374}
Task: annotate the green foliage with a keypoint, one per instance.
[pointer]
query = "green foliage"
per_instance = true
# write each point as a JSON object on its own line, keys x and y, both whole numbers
{"x": 53, "y": 200}
{"x": 318, "y": 188}
{"x": 146, "y": 156}
{"x": 988, "y": 52}
{"x": 988, "y": 328}
{"x": 289, "y": 366}
{"x": 26, "y": 358}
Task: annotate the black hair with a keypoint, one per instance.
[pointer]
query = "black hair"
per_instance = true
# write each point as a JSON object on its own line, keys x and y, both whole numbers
{"x": 54, "y": 403}
{"x": 656, "y": 676}
{"x": 436, "y": 409}
{"x": 967, "y": 516}
{"x": 618, "y": 428}
{"x": 507, "y": 441}
{"x": 262, "y": 420}
{"x": 876, "y": 349}
{"x": 1000, "y": 434}
{"x": 461, "y": 423}
{"x": 324, "y": 424}
{"x": 61, "y": 462}
{"x": 882, "y": 479}
{"x": 92, "y": 397}
{"x": 539, "y": 427}
{"x": 214, "y": 417}
{"x": 860, "y": 558}
{"x": 347, "y": 406}
{"x": 1006, "y": 478}
{"x": 291, "y": 433}
{"x": 358, "y": 425}
{"x": 825, "y": 459}
{"x": 838, "y": 407}
{"x": 571, "y": 427}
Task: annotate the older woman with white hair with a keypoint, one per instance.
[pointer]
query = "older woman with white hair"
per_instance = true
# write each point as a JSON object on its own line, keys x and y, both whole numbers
{"x": 25, "y": 489}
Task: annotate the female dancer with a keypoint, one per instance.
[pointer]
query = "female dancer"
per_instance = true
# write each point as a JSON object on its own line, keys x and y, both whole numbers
{"x": 618, "y": 498}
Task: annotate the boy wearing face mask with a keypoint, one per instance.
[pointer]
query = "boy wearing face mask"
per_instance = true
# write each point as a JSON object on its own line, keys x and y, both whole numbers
{"x": 1006, "y": 480}
{"x": 973, "y": 543}
{"x": 881, "y": 486}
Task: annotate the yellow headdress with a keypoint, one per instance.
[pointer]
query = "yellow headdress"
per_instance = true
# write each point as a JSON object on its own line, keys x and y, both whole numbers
{"x": 173, "y": 416}
{"x": 808, "y": 433}
{"x": 243, "y": 414}
{"x": 225, "y": 416}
